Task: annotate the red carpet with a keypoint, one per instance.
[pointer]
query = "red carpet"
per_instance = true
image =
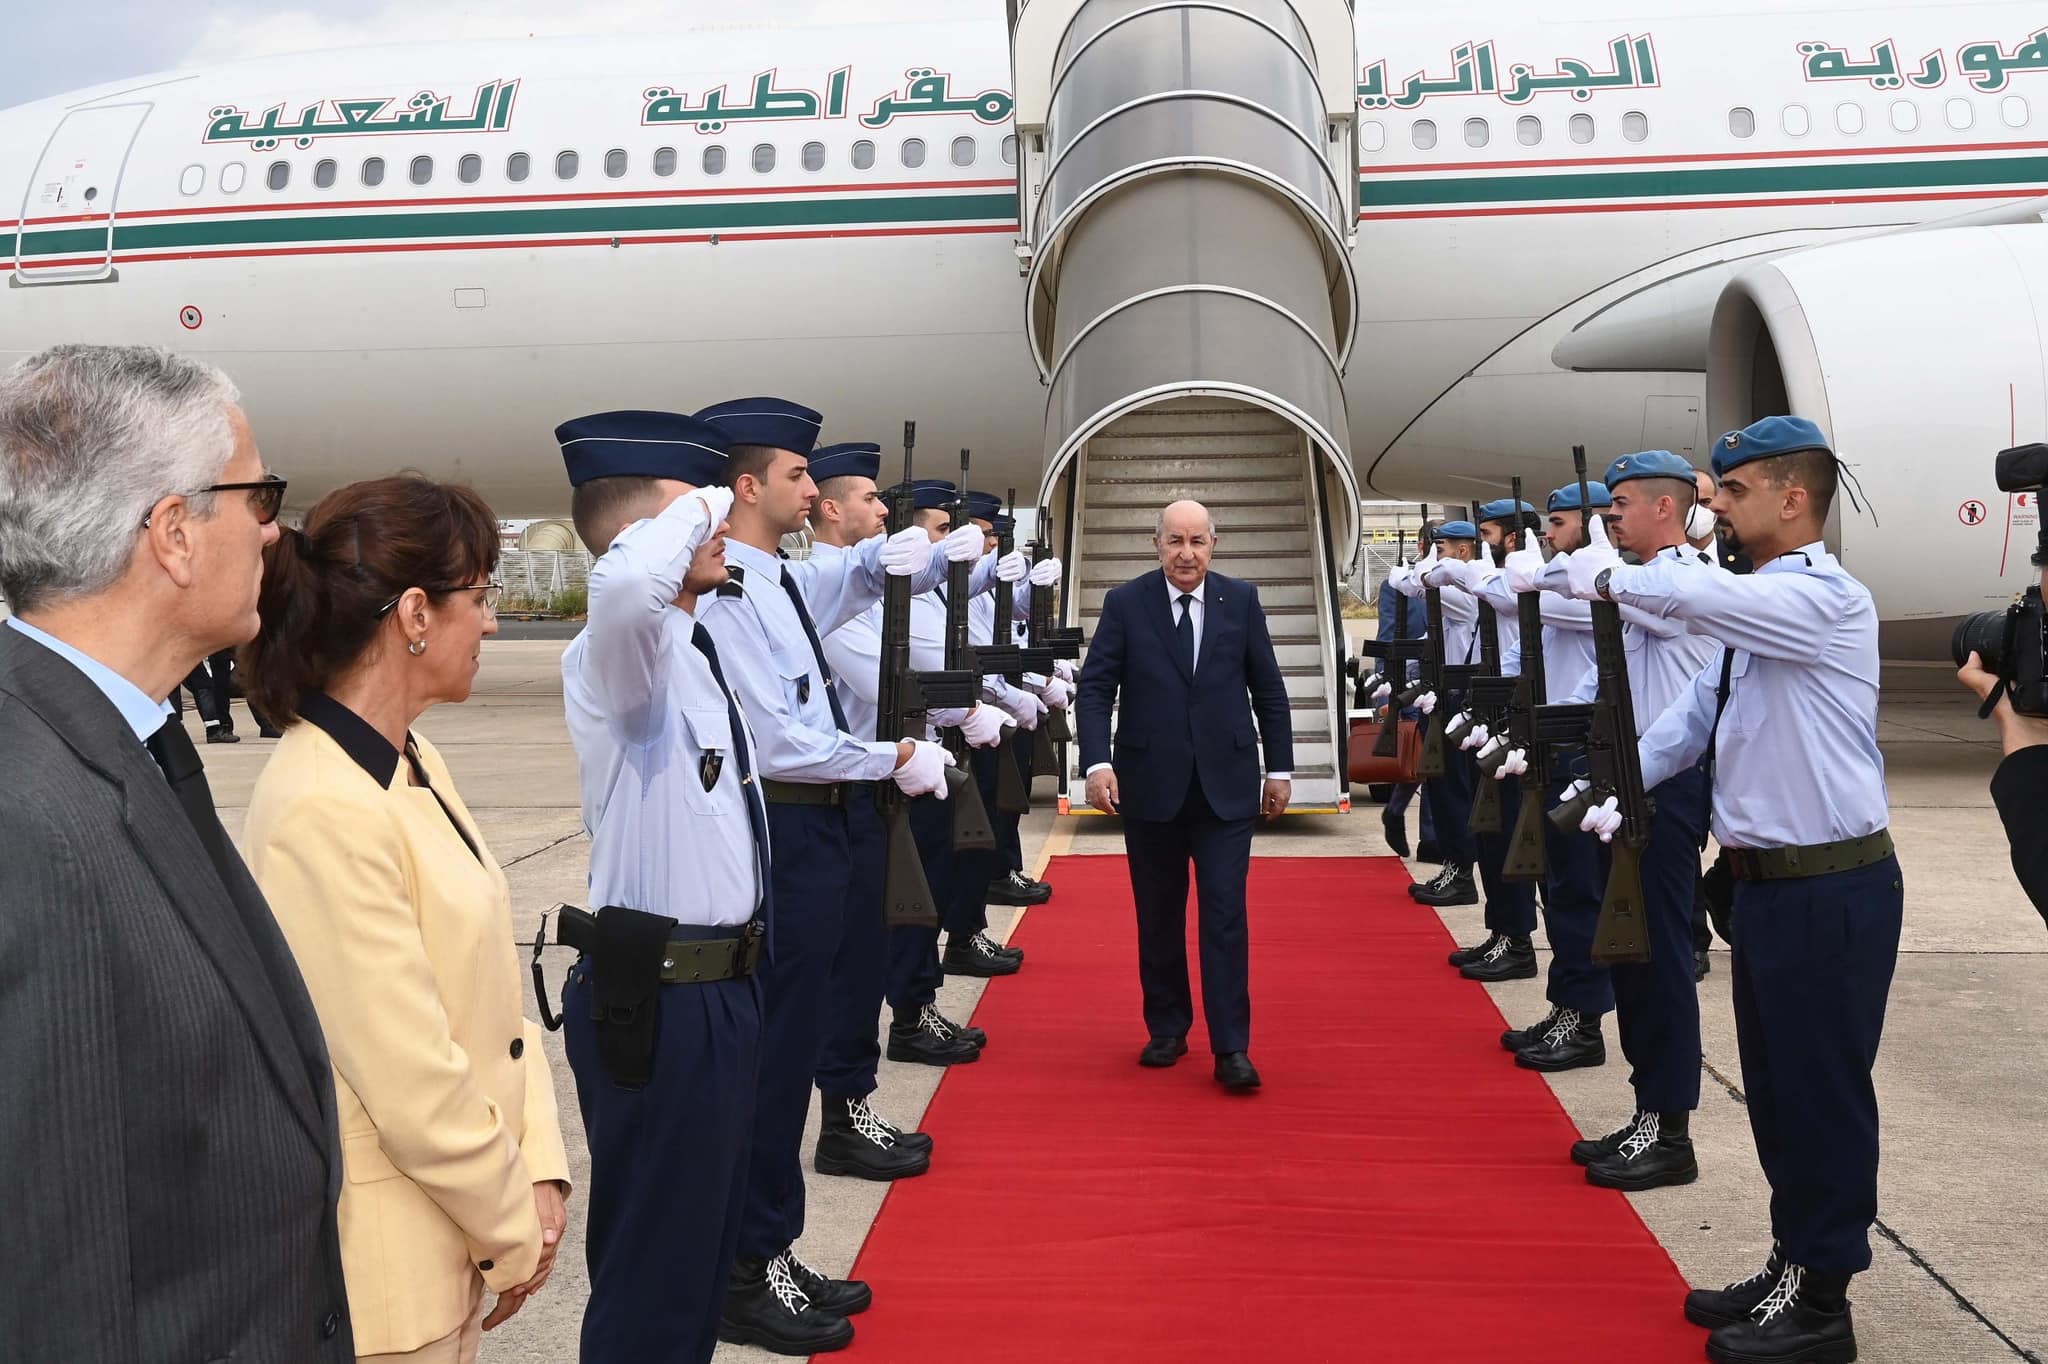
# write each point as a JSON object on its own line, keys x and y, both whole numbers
{"x": 1398, "y": 1191}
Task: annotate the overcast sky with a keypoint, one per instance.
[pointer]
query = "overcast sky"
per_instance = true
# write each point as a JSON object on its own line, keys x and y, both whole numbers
{"x": 50, "y": 49}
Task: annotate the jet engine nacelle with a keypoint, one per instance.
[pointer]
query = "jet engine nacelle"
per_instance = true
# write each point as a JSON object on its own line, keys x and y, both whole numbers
{"x": 1921, "y": 355}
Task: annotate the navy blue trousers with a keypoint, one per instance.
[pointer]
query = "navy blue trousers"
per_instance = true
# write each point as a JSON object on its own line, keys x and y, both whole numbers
{"x": 668, "y": 1171}
{"x": 852, "y": 1047}
{"x": 1009, "y": 835}
{"x": 1159, "y": 852}
{"x": 1571, "y": 915}
{"x": 812, "y": 875}
{"x": 914, "y": 971}
{"x": 1510, "y": 905}
{"x": 1813, "y": 965}
{"x": 965, "y": 908}
{"x": 1656, "y": 1003}
{"x": 1447, "y": 806}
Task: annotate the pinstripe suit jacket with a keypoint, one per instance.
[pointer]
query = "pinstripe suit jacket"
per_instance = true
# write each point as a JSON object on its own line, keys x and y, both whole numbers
{"x": 166, "y": 1120}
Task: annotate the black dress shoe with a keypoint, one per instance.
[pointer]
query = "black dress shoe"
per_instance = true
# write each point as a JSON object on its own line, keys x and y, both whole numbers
{"x": 1235, "y": 1073}
{"x": 977, "y": 957}
{"x": 222, "y": 736}
{"x": 1803, "y": 1320}
{"x": 853, "y": 1140}
{"x": 1161, "y": 1052}
{"x": 929, "y": 1040}
{"x": 833, "y": 1297}
{"x": 1508, "y": 959}
{"x": 1427, "y": 850}
{"x": 1514, "y": 1039}
{"x": 765, "y": 1306}
{"x": 983, "y": 942}
{"x": 1587, "y": 1151}
{"x": 1465, "y": 955}
{"x": 1452, "y": 886}
{"x": 1396, "y": 831}
{"x": 1702, "y": 964}
{"x": 1571, "y": 1041}
{"x": 1712, "y": 1307}
{"x": 1648, "y": 1158}
{"x": 1015, "y": 888}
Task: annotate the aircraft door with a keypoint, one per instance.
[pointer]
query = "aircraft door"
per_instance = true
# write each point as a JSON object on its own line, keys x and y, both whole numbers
{"x": 66, "y": 230}
{"x": 1672, "y": 423}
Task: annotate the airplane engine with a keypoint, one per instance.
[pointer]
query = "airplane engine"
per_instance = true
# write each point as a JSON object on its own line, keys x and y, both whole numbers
{"x": 1921, "y": 355}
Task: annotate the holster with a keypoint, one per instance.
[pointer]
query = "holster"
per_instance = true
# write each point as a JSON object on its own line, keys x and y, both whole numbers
{"x": 1717, "y": 888}
{"x": 625, "y": 989}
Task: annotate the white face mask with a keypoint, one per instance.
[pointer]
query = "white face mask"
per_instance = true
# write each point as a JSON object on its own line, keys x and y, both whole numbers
{"x": 1699, "y": 523}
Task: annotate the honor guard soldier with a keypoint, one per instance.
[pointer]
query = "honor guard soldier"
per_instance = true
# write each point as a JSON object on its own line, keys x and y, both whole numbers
{"x": 1449, "y": 797}
{"x": 1011, "y": 885}
{"x": 768, "y": 622}
{"x": 1657, "y": 1006}
{"x": 1580, "y": 992}
{"x": 1786, "y": 720}
{"x": 662, "y": 1010}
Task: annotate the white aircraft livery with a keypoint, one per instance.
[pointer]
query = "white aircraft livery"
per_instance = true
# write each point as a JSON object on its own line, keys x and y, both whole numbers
{"x": 1621, "y": 225}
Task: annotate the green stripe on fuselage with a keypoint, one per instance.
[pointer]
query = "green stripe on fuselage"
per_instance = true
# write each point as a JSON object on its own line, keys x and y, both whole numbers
{"x": 1718, "y": 182}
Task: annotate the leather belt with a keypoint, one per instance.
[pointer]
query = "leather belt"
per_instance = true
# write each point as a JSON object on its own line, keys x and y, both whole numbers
{"x": 695, "y": 954}
{"x": 803, "y": 792}
{"x": 1817, "y": 859}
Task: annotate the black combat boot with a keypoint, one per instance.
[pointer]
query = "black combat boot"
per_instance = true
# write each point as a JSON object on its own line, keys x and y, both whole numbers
{"x": 977, "y": 956}
{"x": 833, "y": 1297}
{"x": 1803, "y": 1320}
{"x": 1712, "y": 1307}
{"x": 1507, "y": 959}
{"x": 983, "y": 942}
{"x": 1572, "y": 1040}
{"x": 1452, "y": 886}
{"x": 928, "y": 1039}
{"x": 765, "y": 1306}
{"x": 1595, "y": 1148}
{"x": 1514, "y": 1039}
{"x": 1015, "y": 888}
{"x": 1656, "y": 1154}
{"x": 853, "y": 1140}
{"x": 1477, "y": 950}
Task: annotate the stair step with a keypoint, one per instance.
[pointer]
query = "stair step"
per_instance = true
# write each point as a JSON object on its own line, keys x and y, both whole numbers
{"x": 1152, "y": 496}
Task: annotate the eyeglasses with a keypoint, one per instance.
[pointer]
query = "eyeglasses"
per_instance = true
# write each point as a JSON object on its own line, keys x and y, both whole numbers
{"x": 266, "y": 497}
{"x": 488, "y": 598}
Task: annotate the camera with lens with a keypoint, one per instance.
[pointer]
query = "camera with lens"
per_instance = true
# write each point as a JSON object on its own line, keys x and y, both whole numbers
{"x": 2014, "y": 642}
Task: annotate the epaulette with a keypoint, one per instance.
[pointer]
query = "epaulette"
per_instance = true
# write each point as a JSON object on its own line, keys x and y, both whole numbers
{"x": 735, "y": 582}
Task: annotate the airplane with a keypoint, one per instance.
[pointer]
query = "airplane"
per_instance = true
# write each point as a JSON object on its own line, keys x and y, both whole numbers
{"x": 1628, "y": 226}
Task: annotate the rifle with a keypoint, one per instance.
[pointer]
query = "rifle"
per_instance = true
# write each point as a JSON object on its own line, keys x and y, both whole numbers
{"x": 1487, "y": 699}
{"x": 1431, "y": 679}
{"x": 1022, "y": 660}
{"x": 1527, "y": 859}
{"x": 1608, "y": 729}
{"x": 902, "y": 697}
{"x": 1012, "y": 797}
{"x": 1395, "y": 655}
{"x": 1048, "y": 755}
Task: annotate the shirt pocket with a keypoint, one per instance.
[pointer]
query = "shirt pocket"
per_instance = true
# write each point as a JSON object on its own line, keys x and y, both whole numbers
{"x": 1747, "y": 709}
{"x": 800, "y": 680}
{"x": 709, "y": 754}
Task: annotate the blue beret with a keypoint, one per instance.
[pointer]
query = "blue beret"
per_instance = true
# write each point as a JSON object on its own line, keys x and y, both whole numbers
{"x": 1767, "y": 439}
{"x": 1003, "y": 524}
{"x": 773, "y": 422}
{"x": 642, "y": 445}
{"x": 926, "y": 493}
{"x": 1503, "y": 509}
{"x": 1457, "y": 530}
{"x": 1567, "y": 497}
{"x": 855, "y": 459}
{"x": 1648, "y": 464}
{"x": 983, "y": 506}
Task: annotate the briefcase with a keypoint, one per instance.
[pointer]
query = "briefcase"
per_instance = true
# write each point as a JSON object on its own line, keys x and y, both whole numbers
{"x": 1399, "y": 770}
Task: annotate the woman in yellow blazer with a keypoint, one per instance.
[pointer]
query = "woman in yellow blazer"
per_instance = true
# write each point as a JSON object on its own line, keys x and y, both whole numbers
{"x": 400, "y": 919}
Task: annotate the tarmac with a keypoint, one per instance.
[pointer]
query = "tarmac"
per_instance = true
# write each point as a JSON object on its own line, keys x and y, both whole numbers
{"x": 1961, "y": 1270}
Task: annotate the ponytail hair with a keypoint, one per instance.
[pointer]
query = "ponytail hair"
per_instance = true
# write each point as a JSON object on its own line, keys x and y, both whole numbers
{"x": 325, "y": 588}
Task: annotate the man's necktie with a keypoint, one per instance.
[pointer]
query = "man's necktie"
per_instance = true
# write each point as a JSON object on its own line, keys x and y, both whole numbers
{"x": 757, "y": 819}
{"x": 172, "y": 748}
{"x": 1186, "y": 631}
{"x": 796, "y": 599}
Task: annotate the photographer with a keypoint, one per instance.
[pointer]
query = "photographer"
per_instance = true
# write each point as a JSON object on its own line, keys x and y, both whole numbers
{"x": 2020, "y": 786}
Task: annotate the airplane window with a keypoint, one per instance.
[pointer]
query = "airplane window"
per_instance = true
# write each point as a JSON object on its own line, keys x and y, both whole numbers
{"x": 814, "y": 156}
{"x": 1010, "y": 150}
{"x": 764, "y": 157}
{"x": 1742, "y": 122}
{"x": 323, "y": 175}
{"x": 913, "y": 151}
{"x": 1477, "y": 134}
{"x": 231, "y": 176}
{"x": 1634, "y": 126}
{"x": 1905, "y": 115}
{"x": 664, "y": 161}
{"x": 1961, "y": 113}
{"x": 373, "y": 170}
{"x": 1372, "y": 135}
{"x": 470, "y": 169}
{"x": 422, "y": 170}
{"x": 1581, "y": 128}
{"x": 1423, "y": 134}
{"x": 193, "y": 180}
{"x": 565, "y": 165}
{"x": 2014, "y": 110}
{"x": 714, "y": 160}
{"x": 518, "y": 166}
{"x": 963, "y": 151}
{"x": 1796, "y": 121}
{"x": 615, "y": 163}
{"x": 1849, "y": 117}
{"x": 863, "y": 155}
{"x": 1528, "y": 130}
{"x": 280, "y": 174}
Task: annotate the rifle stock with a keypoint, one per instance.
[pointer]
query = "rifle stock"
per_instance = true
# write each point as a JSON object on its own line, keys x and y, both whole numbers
{"x": 1487, "y": 699}
{"x": 906, "y": 892}
{"x": 972, "y": 831}
{"x": 1048, "y": 754}
{"x": 1433, "y": 680}
{"x": 1528, "y": 858}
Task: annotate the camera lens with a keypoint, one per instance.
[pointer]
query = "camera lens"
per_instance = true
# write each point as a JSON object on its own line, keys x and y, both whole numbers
{"x": 1984, "y": 635}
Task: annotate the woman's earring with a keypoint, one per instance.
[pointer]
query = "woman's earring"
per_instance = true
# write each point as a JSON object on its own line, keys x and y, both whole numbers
{"x": 416, "y": 648}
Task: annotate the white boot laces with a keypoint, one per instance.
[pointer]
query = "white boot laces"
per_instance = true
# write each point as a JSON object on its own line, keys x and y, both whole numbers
{"x": 782, "y": 1283}
{"x": 1783, "y": 1296}
{"x": 1643, "y": 1138}
{"x": 869, "y": 1124}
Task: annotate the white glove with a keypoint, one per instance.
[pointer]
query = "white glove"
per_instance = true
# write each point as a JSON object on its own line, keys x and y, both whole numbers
{"x": 1399, "y": 576}
{"x": 1603, "y": 819}
{"x": 925, "y": 773}
{"x": 1574, "y": 791}
{"x": 984, "y": 726}
{"x": 1383, "y": 693}
{"x": 1046, "y": 573}
{"x": 1063, "y": 668}
{"x": 1586, "y": 565}
{"x": 1012, "y": 567}
{"x": 1523, "y": 568}
{"x": 1057, "y": 694}
{"x": 718, "y": 502}
{"x": 906, "y": 553}
{"x": 1449, "y": 573}
{"x": 1513, "y": 765}
{"x": 1026, "y": 709}
{"x": 963, "y": 546}
{"x": 1426, "y": 703}
{"x": 1475, "y": 737}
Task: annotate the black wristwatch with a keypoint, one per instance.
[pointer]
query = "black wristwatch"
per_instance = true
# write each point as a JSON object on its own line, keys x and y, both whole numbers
{"x": 1600, "y": 584}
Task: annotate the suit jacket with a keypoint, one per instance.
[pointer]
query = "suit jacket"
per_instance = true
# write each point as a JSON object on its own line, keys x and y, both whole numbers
{"x": 447, "y": 1106}
{"x": 163, "y": 1103}
{"x": 1175, "y": 726}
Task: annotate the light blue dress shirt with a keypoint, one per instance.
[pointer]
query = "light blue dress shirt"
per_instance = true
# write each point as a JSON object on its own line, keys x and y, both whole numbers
{"x": 1796, "y": 760}
{"x": 143, "y": 715}
{"x": 1461, "y": 616}
{"x": 1663, "y": 655}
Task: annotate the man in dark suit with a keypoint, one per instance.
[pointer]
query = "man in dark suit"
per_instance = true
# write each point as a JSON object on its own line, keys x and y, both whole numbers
{"x": 1189, "y": 649}
{"x": 162, "y": 1073}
